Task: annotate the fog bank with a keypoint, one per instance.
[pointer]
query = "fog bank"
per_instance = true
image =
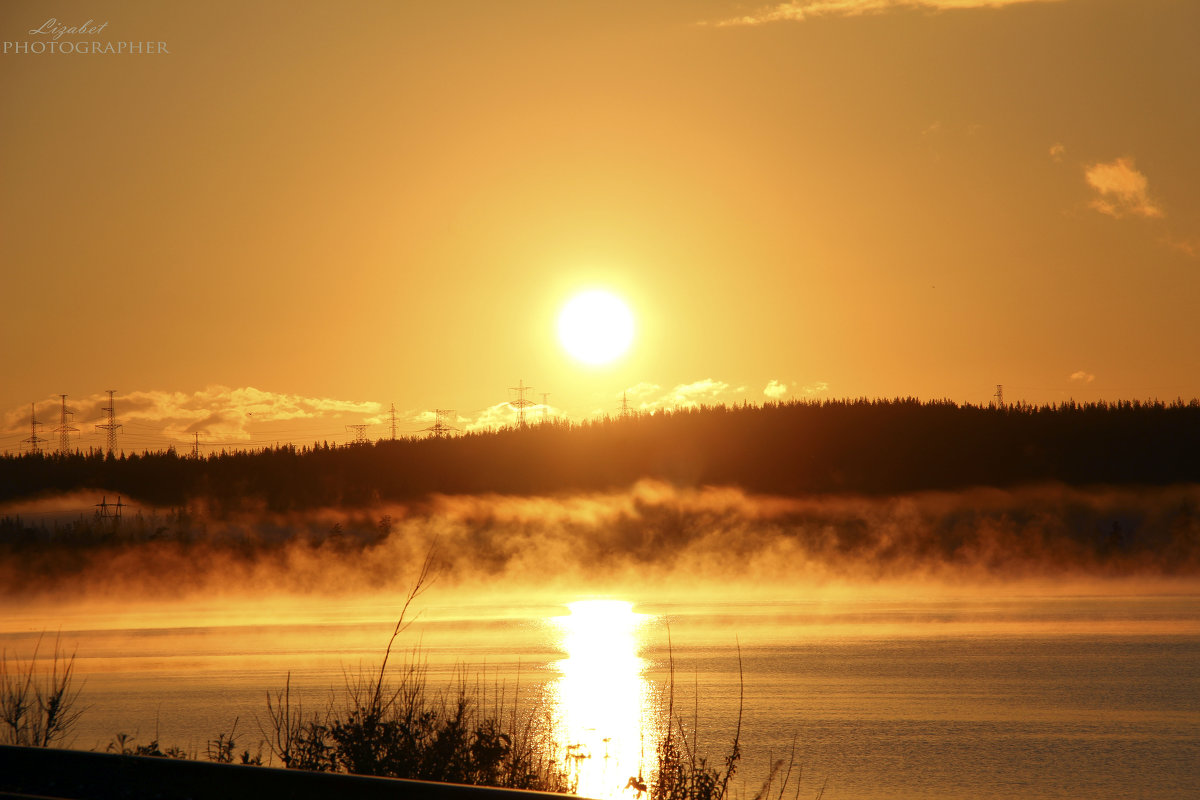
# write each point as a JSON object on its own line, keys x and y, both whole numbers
{"x": 651, "y": 538}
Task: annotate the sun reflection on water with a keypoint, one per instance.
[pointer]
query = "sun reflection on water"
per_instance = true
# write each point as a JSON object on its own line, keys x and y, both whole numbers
{"x": 602, "y": 704}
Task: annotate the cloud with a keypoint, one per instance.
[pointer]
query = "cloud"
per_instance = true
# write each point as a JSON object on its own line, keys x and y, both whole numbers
{"x": 691, "y": 395}
{"x": 423, "y": 423}
{"x": 222, "y": 411}
{"x": 1189, "y": 247}
{"x": 649, "y": 397}
{"x": 218, "y": 412}
{"x": 501, "y": 415}
{"x": 1057, "y": 150}
{"x": 1080, "y": 376}
{"x": 643, "y": 389}
{"x": 775, "y": 389}
{"x": 801, "y": 10}
{"x": 1121, "y": 190}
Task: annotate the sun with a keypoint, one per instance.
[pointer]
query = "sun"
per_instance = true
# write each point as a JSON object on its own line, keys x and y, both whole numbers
{"x": 595, "y": 327}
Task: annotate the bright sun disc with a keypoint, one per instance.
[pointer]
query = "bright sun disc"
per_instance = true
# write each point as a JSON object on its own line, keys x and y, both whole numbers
{"x": 595, "y": 327}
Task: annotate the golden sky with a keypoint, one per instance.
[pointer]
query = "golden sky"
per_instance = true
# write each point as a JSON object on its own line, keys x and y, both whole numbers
{"x": 304, "y": 212}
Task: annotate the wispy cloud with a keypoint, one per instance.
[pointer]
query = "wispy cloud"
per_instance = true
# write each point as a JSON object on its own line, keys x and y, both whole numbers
{"x": 643, "y": 397}
{"x": 1189, "y": 247}
{"x": 218, "y": 412}
{"x": 1121, "y": 190}
{"x": 502, "y": 415}
{"x": 1057, "y": 151}
{"x": 1079, "y": 376}
{"x": 690, "y": 395}
{"x": 647, "y": 397}
{"x": 223, "y": 411}
{"x": 642, "y": 391}
{"x": 801, "y": 10}
{"x": 778, "y": 389}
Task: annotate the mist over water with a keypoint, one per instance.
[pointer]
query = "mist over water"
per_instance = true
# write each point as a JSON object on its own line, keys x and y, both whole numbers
{"x": 1039, "y": 642}
{"x": 649, "y": 540}
{"x": 940, "y": 644}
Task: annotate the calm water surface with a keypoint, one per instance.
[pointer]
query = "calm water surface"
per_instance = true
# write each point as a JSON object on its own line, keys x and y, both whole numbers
{"x": 1028, "y": 698}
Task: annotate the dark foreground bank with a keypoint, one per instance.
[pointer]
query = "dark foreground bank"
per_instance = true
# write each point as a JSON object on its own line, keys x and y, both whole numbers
{"x": 75, "y": 775}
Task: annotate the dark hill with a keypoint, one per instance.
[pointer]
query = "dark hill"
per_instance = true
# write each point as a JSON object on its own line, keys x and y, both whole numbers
{"x": 860, "y": 446}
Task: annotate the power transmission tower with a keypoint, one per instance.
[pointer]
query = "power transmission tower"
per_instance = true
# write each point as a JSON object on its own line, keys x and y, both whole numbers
{"x": 625, "y": 409}
{"x": 196, "y": 445}
{"x": 64, "y": 430}
{"x": 360, "y": 433}
{"x": 393, "y": 416}
{"x": 111, "y": 426}
{"x": 545, "y": 407}
{"x": 440, "y": 426}
{"x": 34, "y": 440}
{"x": 999, "y": 395}
{"x": 109, "y": 510}
{"x": 520, "y": 404}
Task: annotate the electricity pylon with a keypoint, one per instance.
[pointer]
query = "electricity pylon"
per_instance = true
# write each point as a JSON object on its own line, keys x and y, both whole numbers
{"x": 64, "y": 430}
{"x": 441, "y": 427}
{"x": 520, "y": 404}
{"x": 111, "y": 427}
{"x": 110, "y": 510}
{"x": 34, "y": 440}
{"x": 360, "y": 433}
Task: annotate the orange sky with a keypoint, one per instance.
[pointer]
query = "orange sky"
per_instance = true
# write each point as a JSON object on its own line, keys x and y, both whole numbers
{"x": 304, "y": 212}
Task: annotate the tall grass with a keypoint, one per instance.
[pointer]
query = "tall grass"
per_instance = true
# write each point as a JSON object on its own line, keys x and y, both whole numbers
{"x": 682, "y": 773}
{"x": 390, "y": 723}
{"x": 38, "y": 706}
{"x": 769, "y": 789}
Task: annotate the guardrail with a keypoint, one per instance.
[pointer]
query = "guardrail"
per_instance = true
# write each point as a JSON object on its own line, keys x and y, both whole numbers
{"x": 36, "y": 772}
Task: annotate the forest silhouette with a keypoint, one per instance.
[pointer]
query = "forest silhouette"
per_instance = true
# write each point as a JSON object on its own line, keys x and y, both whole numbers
{"x": 843, "y": 490}
{"x": 870, "y": 447}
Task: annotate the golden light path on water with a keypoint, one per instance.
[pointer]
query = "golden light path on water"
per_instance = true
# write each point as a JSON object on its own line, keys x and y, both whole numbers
{"x": 602, "y": 704}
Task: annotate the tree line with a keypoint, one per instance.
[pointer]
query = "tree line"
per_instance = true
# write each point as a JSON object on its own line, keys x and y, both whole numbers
{"x": 792, "y": 448}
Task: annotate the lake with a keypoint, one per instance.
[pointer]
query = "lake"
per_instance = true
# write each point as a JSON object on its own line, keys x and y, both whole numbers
{"x": 880, "y": 696}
